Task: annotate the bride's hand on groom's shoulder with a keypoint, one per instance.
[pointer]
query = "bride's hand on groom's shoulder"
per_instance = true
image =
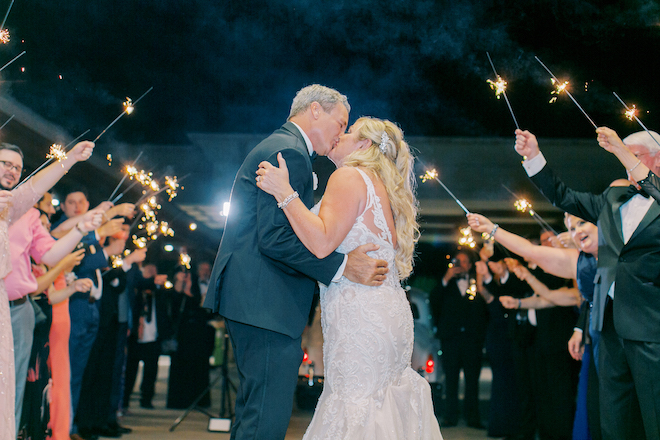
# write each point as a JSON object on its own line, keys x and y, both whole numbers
{"x": 362, "y": 269}
{"x": 274, "y": 180}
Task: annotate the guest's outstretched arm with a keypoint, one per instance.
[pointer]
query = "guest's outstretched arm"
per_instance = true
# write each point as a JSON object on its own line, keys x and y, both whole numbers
{"x": 557, "y": 261}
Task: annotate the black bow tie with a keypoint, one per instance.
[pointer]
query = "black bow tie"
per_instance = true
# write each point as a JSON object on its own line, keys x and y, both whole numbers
{"x": 313, "y": 156}
{"x": 632, "y": 191}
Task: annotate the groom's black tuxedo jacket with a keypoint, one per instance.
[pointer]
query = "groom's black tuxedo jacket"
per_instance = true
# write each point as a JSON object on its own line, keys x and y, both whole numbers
{"x": 263, "y": 275}
{"x": 634, "y": 266}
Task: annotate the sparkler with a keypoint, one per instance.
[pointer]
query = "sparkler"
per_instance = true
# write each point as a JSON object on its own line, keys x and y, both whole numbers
{"x": 6, "y": 122}
{"x": 56, "y": 152}
{"x": 563, "y": 87}
{"x": 632, "y": 113}
{"x": 128, "y": 170}
{"x": 129, "y": 106}
{"x": 500, "y": 89}
{"x": 433, "y": 175}
{"x": 184, "y": 260}
{"x": 467, "y": 239}
{"x": 2, "y": 26}
{"x": 172, "y": 184}
{"x": 12, "y": 60}
{"x": 523, "y": 205}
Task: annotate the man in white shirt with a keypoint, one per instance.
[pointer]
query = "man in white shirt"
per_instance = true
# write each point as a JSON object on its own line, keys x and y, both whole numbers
{"x": 627, "y": 294}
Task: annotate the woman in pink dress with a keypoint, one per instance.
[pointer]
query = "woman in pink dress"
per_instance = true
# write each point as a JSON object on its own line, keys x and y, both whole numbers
{"x": 13, "y": 204}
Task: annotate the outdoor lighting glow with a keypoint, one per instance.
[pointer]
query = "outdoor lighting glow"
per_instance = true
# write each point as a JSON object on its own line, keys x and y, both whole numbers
{"x": 193, "y": 226}
{"x": 55, "y": 202}
{"x": 168, "y": 248}
{"x": 225, "y": 209}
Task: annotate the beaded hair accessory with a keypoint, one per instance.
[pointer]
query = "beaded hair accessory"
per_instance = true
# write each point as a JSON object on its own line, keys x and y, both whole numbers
{"x": 384, "y": 140}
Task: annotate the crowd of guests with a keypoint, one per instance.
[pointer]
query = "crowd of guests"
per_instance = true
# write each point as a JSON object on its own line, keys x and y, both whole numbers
{"x": 588, "y": 294}
{"x": 82, "y": 311}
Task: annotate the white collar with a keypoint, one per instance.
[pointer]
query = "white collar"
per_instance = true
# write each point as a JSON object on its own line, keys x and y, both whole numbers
{"x": 308, "y": 143}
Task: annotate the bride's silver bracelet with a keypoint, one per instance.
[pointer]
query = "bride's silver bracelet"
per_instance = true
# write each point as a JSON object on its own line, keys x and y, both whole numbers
{"x": 288, "y": 200}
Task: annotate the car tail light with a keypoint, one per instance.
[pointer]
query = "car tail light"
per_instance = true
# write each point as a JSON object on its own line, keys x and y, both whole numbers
{"x": 430, "y": 364}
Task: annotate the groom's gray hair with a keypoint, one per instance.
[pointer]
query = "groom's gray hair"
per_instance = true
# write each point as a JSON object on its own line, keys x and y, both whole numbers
{"x": 327, "y": 97}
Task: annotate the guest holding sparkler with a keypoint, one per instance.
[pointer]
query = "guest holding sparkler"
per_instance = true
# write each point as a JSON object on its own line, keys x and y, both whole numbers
{"x": 13, "y": 206}
{"x": 627, "y": 295}
{"x": 83, "y": 307}
{"x": 493, "y": 280}
{"x": 461, "y": 322}
{"x": 94, "y": 407}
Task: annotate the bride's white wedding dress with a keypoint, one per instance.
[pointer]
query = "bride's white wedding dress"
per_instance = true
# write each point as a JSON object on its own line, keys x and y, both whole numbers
{"x": 370, "y": 390}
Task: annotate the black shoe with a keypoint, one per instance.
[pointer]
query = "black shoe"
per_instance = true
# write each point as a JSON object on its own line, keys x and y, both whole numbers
{"x": 449, "y": 423}
{"x": 107, "y": 431}
{"x": 146, "y": 405}
{"x": 476, "y": 425}
{"x": 122, "y": 429}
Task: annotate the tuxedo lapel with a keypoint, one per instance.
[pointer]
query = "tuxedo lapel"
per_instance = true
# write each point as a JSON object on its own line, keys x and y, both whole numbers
{"x": 291, "y": 128}
{"x": 612, "y": 222}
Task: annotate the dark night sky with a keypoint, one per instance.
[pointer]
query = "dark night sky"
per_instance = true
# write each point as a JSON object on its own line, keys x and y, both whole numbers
{"x": 234, "y": 66}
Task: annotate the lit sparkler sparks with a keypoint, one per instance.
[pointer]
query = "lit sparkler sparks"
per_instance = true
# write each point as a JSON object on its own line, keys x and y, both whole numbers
{"x": 116, "y": 261}
{"x": 429, "y": 175}
{"x": 466, "y": 238}
{"x": 139, "y": 242}
{"x": 185, "y": 260}
{"x": 500, "y": 89}
{"x": 57, "y": 153}
{"x": 471, "y": 292}
{"x": 4, "y": 36}
{"x": 433, "y": 175}
{"x": 563, "y": 87}
{"x": 130, "y": 171}
{"x": 559, "y": 88}
{"x": 172, "y": 184}
{"x": 108, "y": 157}
{"x": 523, "y": 205}
{"x": 129, "y": 106}
{"x": 499, "y": 86}
{"x": 632, "y": 113}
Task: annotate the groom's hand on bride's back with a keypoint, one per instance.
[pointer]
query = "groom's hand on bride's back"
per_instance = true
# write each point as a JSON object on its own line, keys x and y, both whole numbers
{"x": 362, "y": 269}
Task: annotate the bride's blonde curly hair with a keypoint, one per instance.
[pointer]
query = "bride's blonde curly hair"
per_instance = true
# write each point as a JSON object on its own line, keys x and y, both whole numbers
{"x": 391, "y": 160}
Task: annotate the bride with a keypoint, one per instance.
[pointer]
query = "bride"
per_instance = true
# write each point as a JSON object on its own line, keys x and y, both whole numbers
{"x": 370, "y": 390}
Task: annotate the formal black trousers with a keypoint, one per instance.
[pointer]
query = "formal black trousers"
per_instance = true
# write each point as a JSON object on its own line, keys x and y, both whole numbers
{"x": 267, "y": 365}
{"x": 148, "y": 353}
{"x": 629, "y": 375}
{"x": 464, "y": 352}
{"x": 96, "y": 389}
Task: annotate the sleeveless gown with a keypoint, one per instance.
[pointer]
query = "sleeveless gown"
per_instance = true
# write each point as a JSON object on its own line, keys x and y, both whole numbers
{"x": 370, "y": 390}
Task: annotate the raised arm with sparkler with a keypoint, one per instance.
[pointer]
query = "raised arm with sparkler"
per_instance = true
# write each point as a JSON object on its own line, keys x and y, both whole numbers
{"x": 637, "y": 170}
{"x": 46, "y": 178}
{"x": 557, "y": 261}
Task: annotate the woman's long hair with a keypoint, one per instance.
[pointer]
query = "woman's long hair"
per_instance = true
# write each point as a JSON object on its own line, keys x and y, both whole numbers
{"x": 395, "y": 168}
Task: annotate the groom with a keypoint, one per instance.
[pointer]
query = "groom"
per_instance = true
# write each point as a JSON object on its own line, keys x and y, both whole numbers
{"x": 263, "y": 279}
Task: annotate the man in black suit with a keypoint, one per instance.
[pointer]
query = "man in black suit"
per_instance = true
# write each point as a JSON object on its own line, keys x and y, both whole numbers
{"x": 461, "y": 321}
{"x": 627, "y": 293}
{"x": 263, "y": 279}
